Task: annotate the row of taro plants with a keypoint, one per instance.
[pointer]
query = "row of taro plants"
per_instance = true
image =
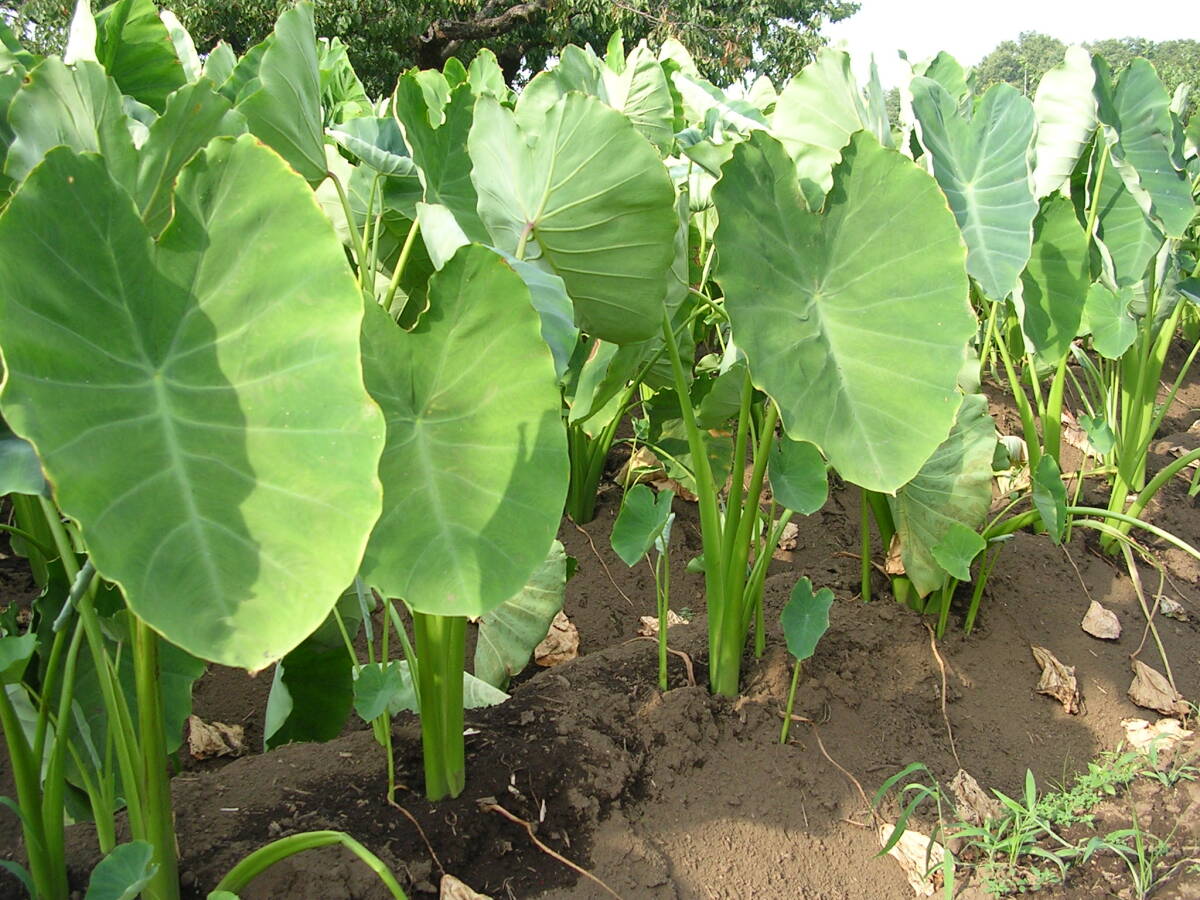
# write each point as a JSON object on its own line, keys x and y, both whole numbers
{"x": 286, "y": 367}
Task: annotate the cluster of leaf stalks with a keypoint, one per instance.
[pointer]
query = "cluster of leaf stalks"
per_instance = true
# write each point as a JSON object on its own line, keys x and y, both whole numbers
{"x": 269, "y": 342}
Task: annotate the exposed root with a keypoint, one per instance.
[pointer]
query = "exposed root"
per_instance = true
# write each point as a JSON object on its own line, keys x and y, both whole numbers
{"x": 421, "y": 831}
{"x": 607, "y": 572}
{"x": 488, "y": 806}
{"x": 945, "y": 715}
{"x": 821, "y": 744}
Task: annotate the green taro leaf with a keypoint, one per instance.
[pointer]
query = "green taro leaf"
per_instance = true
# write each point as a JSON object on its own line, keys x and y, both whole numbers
{"x": 475, "y": 469}
{"x": 983, "y": 166}
{"x": 313, "y": 688}
{"x": 205, "y": 406}
{"x": 15, "y": 653}
{"x": 377, "y": 142}
{"x": 378, "y": 690}
{"x": 219, "y": 64}
{"x": 854, "y": 321}
{"x": 436, "y": 134}
{"x": 136, "y": 49}
{"x": 123, "y": 873}
{"x": 284, "y": 107}
{"x": 486, "y": 77}
{"x": 1142, "y": 137}
{"x": 590, "y": 199}
{"x": 815, "y": 141}
{"x": 798, "y": 475}
{"x": 953, "y": 488}
{"x": 78, "y": 107}
{"x": 1066, "y": 119}
{"x": 1050, "y": 497}
{"x": 1108, "y": 320}
{"x": 20, "y": 471}
{"x": 957, "y": 550}
{"x": 642, "y": 518}
{"x": 510, "y": 632}
{"x": 1130, "y": 237}
{"x": 194, "y": 115}
{"x": 1055, "y": 284}
{"x": 805, "y": 618}
{"x": 185, "y": 47}
{"x": 639, "y": 90}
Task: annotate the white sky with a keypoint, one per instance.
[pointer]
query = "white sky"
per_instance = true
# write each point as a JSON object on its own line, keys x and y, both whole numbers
{"x": 969, "y": 29}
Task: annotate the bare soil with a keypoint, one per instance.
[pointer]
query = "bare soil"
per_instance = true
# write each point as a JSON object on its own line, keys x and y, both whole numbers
{"x": 686, "y": 795}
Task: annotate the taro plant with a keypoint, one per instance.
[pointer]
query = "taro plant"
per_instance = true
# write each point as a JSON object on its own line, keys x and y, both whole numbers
{"x": 835, "y": 314}
{"x": 805, "y": 619}
{"x": 644, "y": 523}
{"x": 474, "y": 475}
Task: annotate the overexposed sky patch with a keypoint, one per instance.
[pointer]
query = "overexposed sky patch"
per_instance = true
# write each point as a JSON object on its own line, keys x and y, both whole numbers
{"x": 969, "y": 30}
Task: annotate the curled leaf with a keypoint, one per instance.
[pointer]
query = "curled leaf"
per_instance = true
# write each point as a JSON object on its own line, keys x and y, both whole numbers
{"x": 560, "y": 645}
{"x": 1151, "y": 690}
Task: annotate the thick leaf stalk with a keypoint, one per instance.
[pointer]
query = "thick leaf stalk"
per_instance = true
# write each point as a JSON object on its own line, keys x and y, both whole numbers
{"x": 441, "y": 645}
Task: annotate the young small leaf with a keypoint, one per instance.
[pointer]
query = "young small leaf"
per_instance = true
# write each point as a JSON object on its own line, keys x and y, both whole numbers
{"x": 798, "y": 476}
{"x": 805, "y": 618}
{"x": 642, "y": 518}
{"x": 123, "y": 873}
{"x": 1050, "y": 497}
{"x": 957, "y": 550}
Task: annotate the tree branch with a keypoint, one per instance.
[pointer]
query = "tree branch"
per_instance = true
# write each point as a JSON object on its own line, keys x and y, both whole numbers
{"x": 443, "y": 35}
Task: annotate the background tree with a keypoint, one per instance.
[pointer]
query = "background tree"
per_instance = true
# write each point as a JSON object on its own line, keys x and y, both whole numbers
{"x": 384, "y": 37}
{"x": 1022, "y": 62}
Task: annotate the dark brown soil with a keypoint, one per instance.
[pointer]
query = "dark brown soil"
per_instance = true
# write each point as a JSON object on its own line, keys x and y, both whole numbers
{"x": 688, "y": 795}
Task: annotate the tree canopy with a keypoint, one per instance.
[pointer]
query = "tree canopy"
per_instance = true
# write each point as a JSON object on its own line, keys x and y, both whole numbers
{"x": 384, "y": 37}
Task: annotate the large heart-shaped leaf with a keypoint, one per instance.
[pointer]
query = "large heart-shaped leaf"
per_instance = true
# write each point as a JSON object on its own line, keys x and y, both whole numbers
{"x": 815, "y": 142}
{"x": 197, "y": 403}
{"x": 194, "y": 115}
{"x": 1055, "y": 283}
{"x": 854, "y": 321}
{"x": 135, "y": 48}
{"x": 475, "y": 470}
{"x": 510, "y": 632}
{"x": 639, "y": 90}
{"x": 281, "y": 99}
{"x": 983, "y": 166}
{"x": 1142, "y": 137}
{"x": 437, "y": 136}
{"x": 1066, "y": 119}
{"x": 1130, "y": 238}
{"x": 591, "y": 199}
{"x": 954, "y": 487}
{"x": 78, "y": 107}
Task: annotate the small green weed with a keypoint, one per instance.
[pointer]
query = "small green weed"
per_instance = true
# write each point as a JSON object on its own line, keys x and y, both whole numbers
{"x": 1021, "y": 849}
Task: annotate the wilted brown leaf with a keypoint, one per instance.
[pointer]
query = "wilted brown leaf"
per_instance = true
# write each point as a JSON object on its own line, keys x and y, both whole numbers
{"x": 1101, "y": 623}
{"x": 1172, "y": 609}
{"x": 1057, "y": 681}
{"x": 209, "y": 739}
{"x": 649, "y": 626}
{"x": 1151, "y": 690}
{"x": 560, "y": 645}
{"x": 894, "y": 564}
